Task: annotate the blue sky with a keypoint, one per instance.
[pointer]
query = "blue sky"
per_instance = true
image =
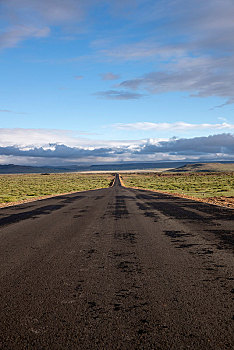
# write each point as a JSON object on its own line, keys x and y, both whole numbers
{"x": 106, "y": 81}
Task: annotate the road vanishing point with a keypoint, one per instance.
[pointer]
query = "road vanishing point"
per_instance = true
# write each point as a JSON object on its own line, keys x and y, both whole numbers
{"x": 116, "y": 268}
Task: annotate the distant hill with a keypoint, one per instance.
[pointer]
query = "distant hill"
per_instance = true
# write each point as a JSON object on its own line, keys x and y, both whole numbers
{"x": 204, "y": 167}
{"x": 21, "y": 169}
{"x": 115, "y": 167}
{"x": 135, "y": 166}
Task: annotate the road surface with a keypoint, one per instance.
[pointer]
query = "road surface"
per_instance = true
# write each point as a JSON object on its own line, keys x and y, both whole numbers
{"x": 116, "y": 268}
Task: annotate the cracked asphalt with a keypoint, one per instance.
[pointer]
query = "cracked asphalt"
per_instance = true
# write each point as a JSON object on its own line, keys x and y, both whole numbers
{"x": 116, "y": 268}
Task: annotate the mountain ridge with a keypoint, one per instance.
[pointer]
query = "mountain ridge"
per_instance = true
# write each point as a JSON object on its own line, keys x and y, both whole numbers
{"x": 174, "y": 166}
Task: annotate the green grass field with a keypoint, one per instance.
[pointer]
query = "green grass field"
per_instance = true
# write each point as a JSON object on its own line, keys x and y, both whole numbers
{"x": 16, "y": 188}
{"x": 199, "y": 185}
{"x": 204, "y": 167}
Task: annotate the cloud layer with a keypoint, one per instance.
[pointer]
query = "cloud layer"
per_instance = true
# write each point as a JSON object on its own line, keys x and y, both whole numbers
{"x": 110, "y": 76}
{"x": 199, "y": 77}
{"x": 214, "y": 147}
{"x": 13, "y": 35}
{"x": 190, "y": 44}
{"x": 182, "y": 126}
{"x": 28, "y": 19}
{"x": 119, "y": 95}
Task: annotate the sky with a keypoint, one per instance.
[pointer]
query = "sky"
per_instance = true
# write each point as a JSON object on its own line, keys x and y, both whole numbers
{"x": 99, "y": 81}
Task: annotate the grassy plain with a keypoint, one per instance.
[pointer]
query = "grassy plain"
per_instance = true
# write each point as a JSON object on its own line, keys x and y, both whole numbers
{"x": 197, "y": 185}
{"x": 205, "y": 167}
{"x": 23, "y": 187}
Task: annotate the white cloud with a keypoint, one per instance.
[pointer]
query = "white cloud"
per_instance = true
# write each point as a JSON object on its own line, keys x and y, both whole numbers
{"x": 52, "y": 11}
{"x": 13, "y": 35}
{"x": 28, "y": 138}
{"x": 143, "y": 50}
{"x": 109, "y": 76}
{"x": 190, "y": 43}
{"x": 10, "y": 111}
{"x": 36, "y": 137}
{"x": 173, "y": 126}
{"x": 201, "y": 77}
{"x": 119, "y": 95}
{"x": 27, "y": 19}
{"x": 73, "y": 149}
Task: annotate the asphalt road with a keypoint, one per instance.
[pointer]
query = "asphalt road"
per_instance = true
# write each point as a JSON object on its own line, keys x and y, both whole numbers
{"x": 116, "y": 268}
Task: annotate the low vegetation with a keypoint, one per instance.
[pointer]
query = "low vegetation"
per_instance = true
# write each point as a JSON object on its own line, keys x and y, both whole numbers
{"x": 197, "y": 185}
{"x": 19, "y": 188}
{"x": 205, "y": 167}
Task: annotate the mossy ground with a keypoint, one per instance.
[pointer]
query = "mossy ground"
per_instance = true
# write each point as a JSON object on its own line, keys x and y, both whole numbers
{"x": 199, "y": 185}
{"x": 22, "y": 187}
